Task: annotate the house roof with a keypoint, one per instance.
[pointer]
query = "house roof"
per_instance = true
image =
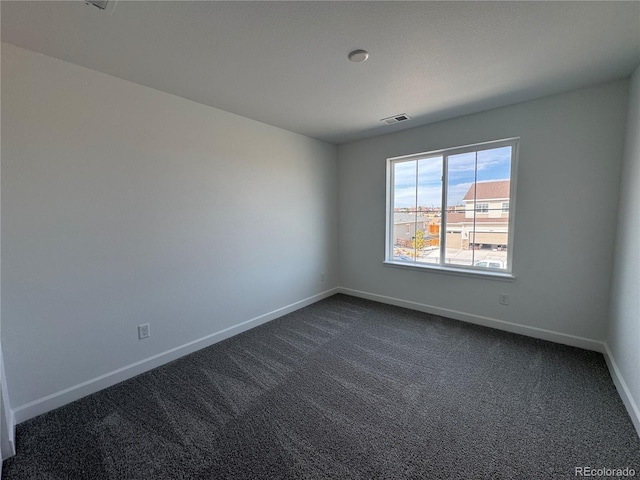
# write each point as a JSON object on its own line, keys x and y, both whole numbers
{"x": 488, "y": 190}
{"x": 409, "y": 217}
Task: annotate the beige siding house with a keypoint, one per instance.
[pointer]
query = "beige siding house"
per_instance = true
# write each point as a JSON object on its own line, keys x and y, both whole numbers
{"x": 484, "y": 221}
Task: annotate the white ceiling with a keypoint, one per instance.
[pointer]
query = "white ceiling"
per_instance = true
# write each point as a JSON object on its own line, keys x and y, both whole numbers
{"x": 285, "y": 63}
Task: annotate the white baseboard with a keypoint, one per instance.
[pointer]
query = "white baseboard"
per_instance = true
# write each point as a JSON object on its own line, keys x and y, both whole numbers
{"x": 58, "y": 399}
{"x": 9, "y": 429}
{"x": 541, "y": 333}
{"x": 62, "y": 397}
{"x": 11, "y": 434}
{"x": 623, "y": 389}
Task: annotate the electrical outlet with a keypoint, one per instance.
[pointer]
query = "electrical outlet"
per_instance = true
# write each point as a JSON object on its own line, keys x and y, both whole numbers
{"x": 503, "y": 298}
{"x": 144, "y": 331}
{"x": 322, "y": 277}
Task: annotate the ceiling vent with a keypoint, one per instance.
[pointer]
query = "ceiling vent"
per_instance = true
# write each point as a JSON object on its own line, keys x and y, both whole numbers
{"x": 403, "y": 117}
{"x": 101, "y": 4}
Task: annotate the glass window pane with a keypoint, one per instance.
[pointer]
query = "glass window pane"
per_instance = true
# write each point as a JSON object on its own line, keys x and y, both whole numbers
{"x": 492, "y": 220}
{"x": 429, "y": 208}
{"x": 461, "y": 178}
{"x": 404, "y": 210}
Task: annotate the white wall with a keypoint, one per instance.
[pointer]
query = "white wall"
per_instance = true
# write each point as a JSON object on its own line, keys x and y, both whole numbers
{"x": 570, "y": 153}
{"x": 123, "y": 205}
{"x": 624, "y": 328}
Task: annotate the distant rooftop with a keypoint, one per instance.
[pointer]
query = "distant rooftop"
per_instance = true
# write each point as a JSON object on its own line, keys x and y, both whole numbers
{"x": 409, "y": 217}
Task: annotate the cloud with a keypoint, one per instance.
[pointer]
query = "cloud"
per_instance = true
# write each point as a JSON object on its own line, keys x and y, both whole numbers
{"x": 456, "y": 192}
{"x": 462, "y": 170}
{"x": 429, "y": 172}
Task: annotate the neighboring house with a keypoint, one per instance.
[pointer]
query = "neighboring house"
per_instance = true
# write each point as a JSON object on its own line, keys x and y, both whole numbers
{"x": 405, "y": 226}
{"x": 492, "y": 199}
{"x": 484, "y": 221}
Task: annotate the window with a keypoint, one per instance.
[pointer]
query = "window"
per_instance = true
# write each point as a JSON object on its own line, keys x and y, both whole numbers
{"x": 460, "y": 205}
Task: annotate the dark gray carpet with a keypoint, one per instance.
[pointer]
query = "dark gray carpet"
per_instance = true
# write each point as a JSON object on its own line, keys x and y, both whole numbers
{"x": 350, "y": 389}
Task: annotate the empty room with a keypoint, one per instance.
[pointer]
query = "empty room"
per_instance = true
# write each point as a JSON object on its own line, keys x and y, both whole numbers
{"x": 319, "y": 239}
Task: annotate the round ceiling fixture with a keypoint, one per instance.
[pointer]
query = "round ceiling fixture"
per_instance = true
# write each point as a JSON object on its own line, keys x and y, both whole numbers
{"x": 358, "y": 56}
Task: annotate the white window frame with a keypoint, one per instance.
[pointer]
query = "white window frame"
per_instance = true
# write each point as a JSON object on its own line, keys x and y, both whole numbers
{"x": 442, "y": 267}
{"x": 482, "y": 207}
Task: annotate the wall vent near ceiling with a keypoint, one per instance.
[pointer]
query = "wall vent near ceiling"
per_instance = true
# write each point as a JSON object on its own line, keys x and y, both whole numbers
{"x": 402, "y": 117}
{"x": 101, "y": 4}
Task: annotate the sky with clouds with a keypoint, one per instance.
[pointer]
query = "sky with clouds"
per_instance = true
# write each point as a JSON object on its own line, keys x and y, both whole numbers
{"x": 493, "y": 164}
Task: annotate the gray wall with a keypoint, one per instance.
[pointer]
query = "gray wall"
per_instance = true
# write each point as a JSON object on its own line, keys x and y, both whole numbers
{"x": 570, "y": 153}
{"x": 624, "y": 329}
{"x": 123, "y": 205}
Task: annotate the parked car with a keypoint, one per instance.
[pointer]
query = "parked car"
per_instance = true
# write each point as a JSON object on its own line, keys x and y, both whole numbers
{"x": 490, "y": 264}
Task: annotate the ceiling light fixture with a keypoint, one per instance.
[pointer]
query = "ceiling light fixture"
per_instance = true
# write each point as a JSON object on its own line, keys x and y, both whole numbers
{"x": 358, "y": 56}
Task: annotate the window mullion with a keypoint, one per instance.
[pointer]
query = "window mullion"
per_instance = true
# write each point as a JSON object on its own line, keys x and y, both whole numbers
{"x": 391, "y": 192}
{"x": 443, "y": 211}
{"x": 475, "y": 207}
{"x": 414, "y": 240}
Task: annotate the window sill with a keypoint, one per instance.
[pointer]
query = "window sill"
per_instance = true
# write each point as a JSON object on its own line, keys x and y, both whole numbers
{"x": 487, "y": 274}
